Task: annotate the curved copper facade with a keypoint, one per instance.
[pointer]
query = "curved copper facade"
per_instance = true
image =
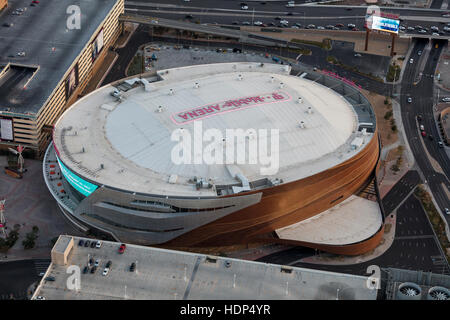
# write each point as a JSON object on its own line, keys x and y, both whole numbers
{"x": 293, "y": 202}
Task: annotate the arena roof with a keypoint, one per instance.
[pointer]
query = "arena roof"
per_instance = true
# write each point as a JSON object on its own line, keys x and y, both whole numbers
{"x": 169, "y": 274}
{"x": 126, "y": 143}
{"x": 35, "y": 32}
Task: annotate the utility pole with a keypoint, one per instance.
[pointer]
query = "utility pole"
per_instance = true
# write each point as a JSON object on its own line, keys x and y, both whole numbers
{"x": 2, "y": 217}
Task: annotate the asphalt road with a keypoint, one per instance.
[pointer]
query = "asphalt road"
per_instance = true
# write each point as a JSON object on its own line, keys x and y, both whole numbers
{"x": 422, "y": 103}
{"x": 401, "y": 189}
{"x": 225, "y": 12}
{"x": 414, "y": 248}
{"x": 17, "y": 276}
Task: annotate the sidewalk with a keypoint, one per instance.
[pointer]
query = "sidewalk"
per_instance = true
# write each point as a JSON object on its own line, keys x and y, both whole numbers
{"x": 28, "y": 204}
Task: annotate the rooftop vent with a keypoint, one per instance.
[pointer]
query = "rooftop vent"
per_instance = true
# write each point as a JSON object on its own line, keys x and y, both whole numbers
{"x": 300, "y": 100}
{"x": 160, "y": 109}
{"x": 281, "y": 85}
{"x": 272, "y": 79}
{"x": 302, "y": 124}
{"x": 309, "y": 110}
{"x": 197, "y": 85}
{"x": 240, "y": 77}
{"x": 171, "y": 92}
{"x": 102, "y": 166}
{"x": 438, "y": 293}
{"x": 409, "y": 291}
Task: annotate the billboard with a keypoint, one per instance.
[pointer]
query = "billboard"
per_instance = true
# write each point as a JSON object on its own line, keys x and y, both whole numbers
{"x": 385, "y": 24}
{"x": 82, "y": 186}
{"x": 72, "y": 81}
{"x": 6, "y": 129}
{"x": 97, "y": 45}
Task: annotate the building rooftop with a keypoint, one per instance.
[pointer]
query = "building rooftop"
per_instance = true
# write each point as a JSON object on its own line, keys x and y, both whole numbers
{"x": 49, "y": 47}
{"x": 168, "y": 274}
{"x": 126, "y": 143}
{"x": 353, "y": 220}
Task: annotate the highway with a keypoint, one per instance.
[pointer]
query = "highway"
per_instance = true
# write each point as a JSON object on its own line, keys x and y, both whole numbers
{"x": 227, "y": 12}
{"x": 422, "y": 103}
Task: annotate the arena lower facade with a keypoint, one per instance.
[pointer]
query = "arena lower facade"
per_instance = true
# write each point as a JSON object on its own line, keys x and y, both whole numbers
{"x": 110, "y": 170}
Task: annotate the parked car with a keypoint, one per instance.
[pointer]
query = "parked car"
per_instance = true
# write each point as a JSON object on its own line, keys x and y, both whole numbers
{"x": 40, "y": 298}
{"x": 93, "y": 269}
{"x": 80, "y": 243}
{"x": 122, "y": 248}
{"x": 440, "y": 144}
{"x": 257, "y": 23}
{"x": 411, "y": 60}
{"x": 446, "y": 99}
{"x": 108, "y": 264}
{"x": 105, "y": 271}
{"x": 419, "y": 53}
{"x": 99, "y": 244}
{"x": 50, "y": 278}
{"x": 133, "y": 267}
{"x": 276, "y": 59}
{"x": 447, "y": 211}
{"x": 93, "y": 243}
{"x": 409, "y": 99}
{"x": 422, "y": 127}
{"x": 424, "y": 134}
{"x": 357, "y": 54}
{"x": 97, "y": 263}
{"x": 431, "y": 137}
{"x": 90, "y": 262}
{"x": 351, "y": 26}
{"x": 87, "y": 243}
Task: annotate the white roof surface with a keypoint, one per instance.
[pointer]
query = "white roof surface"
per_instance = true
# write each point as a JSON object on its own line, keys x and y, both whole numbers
{"x": 133, "y": 140}
{"x": 354, "y": 219}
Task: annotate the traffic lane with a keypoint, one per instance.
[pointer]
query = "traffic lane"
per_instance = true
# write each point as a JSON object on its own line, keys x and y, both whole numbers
{"x": 411, "y": 220}
{"x": 213, "y": 15}
{"x": 280, "y": 6}
{"x": 410, "y": 254}
{"x": 403, "y": 187}
{"x": 292, "y": 255}
{"x": 16, "y": 277}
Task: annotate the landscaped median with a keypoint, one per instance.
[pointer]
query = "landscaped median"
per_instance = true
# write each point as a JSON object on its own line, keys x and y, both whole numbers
{"x": 435, "y": 219}
{"x": 325, "y": 44}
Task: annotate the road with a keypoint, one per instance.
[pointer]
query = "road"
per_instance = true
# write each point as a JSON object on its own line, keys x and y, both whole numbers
{"x": 414, "y": 248}
{"x": 225, "y": 12}
{"x": 422, "y": 103}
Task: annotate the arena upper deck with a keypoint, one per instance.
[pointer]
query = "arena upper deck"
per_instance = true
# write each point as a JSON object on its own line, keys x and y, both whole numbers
{"x": 126, "y": 143}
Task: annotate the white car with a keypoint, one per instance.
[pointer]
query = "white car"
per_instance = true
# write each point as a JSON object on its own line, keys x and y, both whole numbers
{"x": 40, "y": 298}
{"x": 105, "y": 272}
{"x": 21, "y": 54}
{"x": 97, "y": 262}
{"x": 99, "y": 244}
{"x": 351, "y": 25}
{"x": 446, "y": 99}
{"x": 422, "y": 128}
{"x": 409, "y": 100}
{"x": 435, "y": 34}
{"x": 284, "y": 22}
{"x": 411, "y": 60}
{"x": 244, "y": 7}
{"x": 320, "y": 28}
{"x": 447, "y": 211}
{"x": 257, "y": 23}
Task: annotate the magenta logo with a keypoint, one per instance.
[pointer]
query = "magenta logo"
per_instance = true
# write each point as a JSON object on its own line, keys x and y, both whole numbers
{"x": 227, "y": 106}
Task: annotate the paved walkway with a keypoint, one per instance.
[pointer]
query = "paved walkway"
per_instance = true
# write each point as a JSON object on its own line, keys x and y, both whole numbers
{"x": 28, "y": 204}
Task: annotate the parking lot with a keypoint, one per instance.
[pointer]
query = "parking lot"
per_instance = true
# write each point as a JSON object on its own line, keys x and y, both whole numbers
{"x": 167, "y": 274}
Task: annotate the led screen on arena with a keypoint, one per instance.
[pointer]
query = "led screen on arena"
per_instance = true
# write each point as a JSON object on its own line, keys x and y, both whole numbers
{"x": 82, "y": 186}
